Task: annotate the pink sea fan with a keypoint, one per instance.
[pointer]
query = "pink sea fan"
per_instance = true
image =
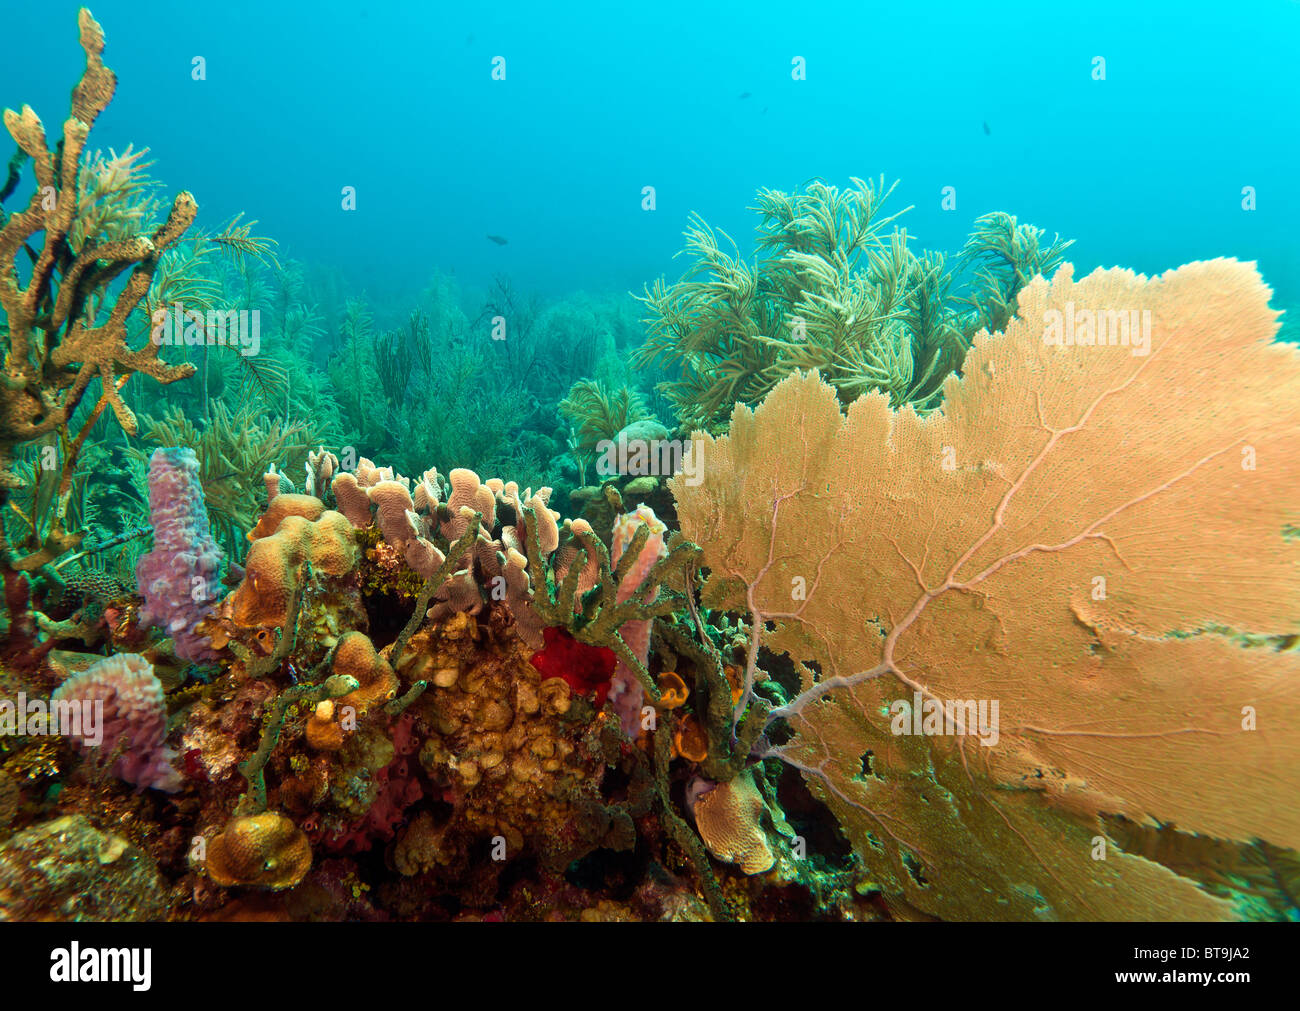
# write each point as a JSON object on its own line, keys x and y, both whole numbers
{"x": 134, "y": 715}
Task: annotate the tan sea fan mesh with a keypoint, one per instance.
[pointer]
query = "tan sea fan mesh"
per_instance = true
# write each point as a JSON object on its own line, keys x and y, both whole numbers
{"x": 1095, "y": 538}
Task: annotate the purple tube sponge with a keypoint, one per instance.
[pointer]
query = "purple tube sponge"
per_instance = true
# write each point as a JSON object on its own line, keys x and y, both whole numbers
{"x": 134, "y": 709}
{"x": 179, "y": 578}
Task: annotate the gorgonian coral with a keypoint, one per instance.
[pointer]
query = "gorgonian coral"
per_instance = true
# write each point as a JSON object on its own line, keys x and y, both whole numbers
{"x": 1091, "y": 534}
{"x": 830, "y": 289}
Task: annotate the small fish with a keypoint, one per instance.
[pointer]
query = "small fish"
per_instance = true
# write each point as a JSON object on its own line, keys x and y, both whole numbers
{"x": 744, "y": 94}
{"x": 987, "y": 131}
{"x": 500, "y": 240}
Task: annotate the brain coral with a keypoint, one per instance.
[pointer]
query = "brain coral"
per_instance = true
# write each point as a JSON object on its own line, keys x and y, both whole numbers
{"x": 729, "y": 817}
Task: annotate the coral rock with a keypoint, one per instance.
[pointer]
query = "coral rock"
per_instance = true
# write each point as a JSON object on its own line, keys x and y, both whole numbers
{"x": 260, "y": 851}
{"x": 68, "y": 870}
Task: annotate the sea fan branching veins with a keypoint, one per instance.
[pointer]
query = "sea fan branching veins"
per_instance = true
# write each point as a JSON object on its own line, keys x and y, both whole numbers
{"x": 1088, "y": 533}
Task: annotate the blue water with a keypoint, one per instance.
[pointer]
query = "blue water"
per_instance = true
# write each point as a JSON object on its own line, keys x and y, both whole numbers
{"x": 1144, "y": 169}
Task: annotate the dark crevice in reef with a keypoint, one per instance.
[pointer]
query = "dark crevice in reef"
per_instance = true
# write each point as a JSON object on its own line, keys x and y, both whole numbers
{"x": 388, "y": 613}
{"x": 812, "y": 820}
{"x": 614, "y": 875}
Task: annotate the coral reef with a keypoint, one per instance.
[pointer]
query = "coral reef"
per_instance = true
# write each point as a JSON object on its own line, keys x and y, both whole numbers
{"x": 66, "y": 869}
{"x": 973, "y": 599}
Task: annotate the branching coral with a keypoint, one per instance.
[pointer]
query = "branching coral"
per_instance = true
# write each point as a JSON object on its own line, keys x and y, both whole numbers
{"x": 829, "y": 290}
{"x": 1090, "y": 534}
{"x": 62, "y": 330}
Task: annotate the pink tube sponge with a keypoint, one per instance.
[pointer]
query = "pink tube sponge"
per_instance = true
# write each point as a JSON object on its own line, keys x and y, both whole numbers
{"x": 180, "y": 576}
{"x": 134, "y": 716}
{"x": 626, "y": 690}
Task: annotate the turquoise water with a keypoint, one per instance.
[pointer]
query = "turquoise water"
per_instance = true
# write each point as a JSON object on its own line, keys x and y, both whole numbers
{"x": 1144, "y": 169}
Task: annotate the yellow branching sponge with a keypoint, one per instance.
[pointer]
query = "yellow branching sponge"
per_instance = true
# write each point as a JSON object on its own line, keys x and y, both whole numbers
{"x": 1092, "y": 535}
{"x": 64, "y": 329}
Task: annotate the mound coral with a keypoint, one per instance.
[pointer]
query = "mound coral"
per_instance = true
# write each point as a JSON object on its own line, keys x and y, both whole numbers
{"x": 180, "y": 576}
{"x": 134, "y": 718}
{"x": 264, "y": 850}
{"x": 729, "y": 817}
{"x": 354, "y": 657}
{"x": 1090, "y": 533}
{"x": 263, "y": 615}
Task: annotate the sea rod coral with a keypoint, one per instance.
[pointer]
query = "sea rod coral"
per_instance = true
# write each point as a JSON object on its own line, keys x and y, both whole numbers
{"x": 1091, "y": 533}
